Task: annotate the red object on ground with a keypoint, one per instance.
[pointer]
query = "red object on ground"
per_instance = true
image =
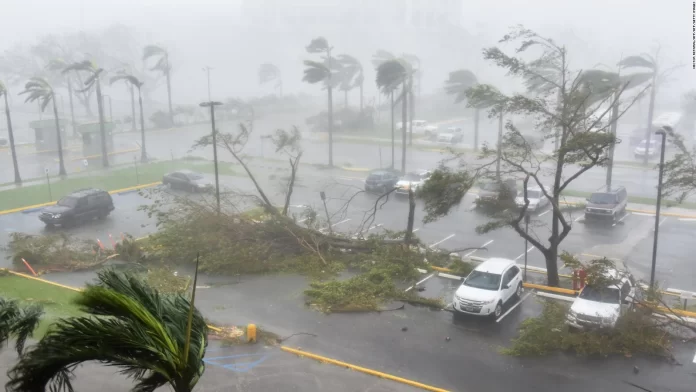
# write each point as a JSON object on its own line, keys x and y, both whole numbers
{"x": 29, "y": 266}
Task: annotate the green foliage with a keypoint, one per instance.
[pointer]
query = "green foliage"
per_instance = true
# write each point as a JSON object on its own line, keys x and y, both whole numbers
{"x": 130, "y": 250}
{"x": 390, "y": 74}
{"x": 635, "y": 333}
{"x": 129, "y": 326}
{"x": 163, "y": 280}
{"x": 18, "y": 322}
{"x": 680, "y": 170}
{"x": 318, "y": 45}
{"x": 460, "y": 267}
{"x": 444, "y": 190}
{"x": 161, "y": 119}
{"x": 459, "y": 82}
{"x": 361, "y": 293}
{"x": 54, "y": 252}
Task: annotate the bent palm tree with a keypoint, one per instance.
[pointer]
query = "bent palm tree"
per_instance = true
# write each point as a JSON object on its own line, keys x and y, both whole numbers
{"x": 58, "y": 65}
{"x": 321, "y": 72}
{"x": 133, "y": 82}
{"x": 390, "y": 74}
{"x": 10, "y": 134}
{"x": 163, "y": 66}
{"x": 39, "y": 90}
{"x": 93, "y": 80}
{"x": 351, "y": 76}
{"x": 154, "y": 339}
{"x": 269, "y": 72}
{"x": 378, "y": 58}
{"x": 457, "y": 84}
{"x": 18, "y": 322}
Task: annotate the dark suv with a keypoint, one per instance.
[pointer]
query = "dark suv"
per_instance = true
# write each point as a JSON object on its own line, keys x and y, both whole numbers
{"x": 81, "y": 205}
{"x": 606, "y": 205}
{"x": 504, "y": 190}
{"x": 381, "y": 180}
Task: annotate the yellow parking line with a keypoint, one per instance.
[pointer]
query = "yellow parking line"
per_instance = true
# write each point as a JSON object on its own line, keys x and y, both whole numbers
{"x": 361, "y": 369}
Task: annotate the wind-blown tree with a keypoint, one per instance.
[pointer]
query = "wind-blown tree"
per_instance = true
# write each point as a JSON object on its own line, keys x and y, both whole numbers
{"x": 457, "y": 84}
{"x": 680, "y": 170}
{"x": 134, "y": 83}
{"x": 164, "y": 66}
{"x": 269, "y": 72}
{"x": 651, "y": 72}
{"x": 57, "y": 65}
{"x": 18, "y": 322}
{"x": 38, "y": 90}
{"x": 93, "y": 80}
{"x": 154, "y": 339}
{"x": 487, "y": 96}
{"x": 378, "y": 59}
{"x": 414, "y": 62}
{"x": 584, "y": 140}
{"x": 322, "y": 72}
{"x": 389, "y": 75}
{"x": 352, "y": 76}
{"x": 10, "y": 134}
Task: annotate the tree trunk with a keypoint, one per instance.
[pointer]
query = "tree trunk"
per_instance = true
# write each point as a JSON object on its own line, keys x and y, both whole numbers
{"x": 476, "y": 128}
{"x": 10, "y": 133}
{"x": 361, "y": 97}
{"x": 59, "y": 139}
{"x": 411, "y": 215}
{"x": 345, "y": 99}
{"x": 330, "y": 126}
{"x": 130, "y": 89}
{"x": 72, "y": 108}
{"x": 392, "y": 129}
{"x": 500, "y": 146}
{"x": 143, "y": 151}
{"x": 651, "y": 109}
{"x": 610, "y": 164}
{"x": 411, "y": 111}
{"x": 404, "y": 121}
{"x": 169, "y": 93}
{"x": 102, "y": 129}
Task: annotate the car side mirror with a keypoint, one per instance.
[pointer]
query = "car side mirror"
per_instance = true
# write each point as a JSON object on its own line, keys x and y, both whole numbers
{"x": 506, "y": 286}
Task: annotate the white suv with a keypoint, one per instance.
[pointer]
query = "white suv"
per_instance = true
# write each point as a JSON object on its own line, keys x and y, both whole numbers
{"x": 600, "y": 307}
{"x": 488, "y": 287}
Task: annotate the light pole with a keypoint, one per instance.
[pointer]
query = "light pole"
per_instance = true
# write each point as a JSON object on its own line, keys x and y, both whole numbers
{"x": 207, "y": 71}
{"x": 111, "y": 113}
{"x": 526, "y": 242}
{"x": 662, "y": 132}
{"x": 211, "y": 105}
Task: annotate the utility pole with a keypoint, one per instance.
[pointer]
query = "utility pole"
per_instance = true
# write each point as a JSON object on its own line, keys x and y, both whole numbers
{"x": 207, "y": 69}
{"x": 212, "y": 105}
{"x": 614, "y": 120}
{"x": 661, "y": 132}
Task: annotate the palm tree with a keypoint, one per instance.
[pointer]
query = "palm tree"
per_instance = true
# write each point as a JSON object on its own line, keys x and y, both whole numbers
{"x": 18, "y": 322}
{"x": 321, "y": 72}
{"x": 483, "y": 96}
{"x": 654, "y": 75}
{"x": 351, "y": 76}
{"x": 58, "y": 65}
{"x": 3, "y": 93}
{"x": 163, "y": 66}
{"x": 390, "y": 74}
{"x": 380, "y": 57}
{"x": 269, "y": 72}
{"x": 414, "y": 61}
{"x": 93, "y": 80}
{"x": 133, "y": 82}
{"x": 154, "y": 339}
{"x": 39, "y": 90}
{"x": 457, "y": 84}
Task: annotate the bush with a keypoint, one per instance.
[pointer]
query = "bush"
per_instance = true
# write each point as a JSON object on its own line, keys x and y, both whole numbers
{"x": 361, "y": 293}
{"x": 161, "y": 119}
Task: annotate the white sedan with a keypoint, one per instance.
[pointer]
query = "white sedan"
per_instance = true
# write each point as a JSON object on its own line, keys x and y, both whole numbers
{"x": 412, "y": 180}
{"x": 537, "y": 200}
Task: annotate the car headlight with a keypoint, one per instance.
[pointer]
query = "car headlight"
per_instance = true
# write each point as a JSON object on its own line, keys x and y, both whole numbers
{"x": 488, "y": 302}
{"x": 57, "y": 216}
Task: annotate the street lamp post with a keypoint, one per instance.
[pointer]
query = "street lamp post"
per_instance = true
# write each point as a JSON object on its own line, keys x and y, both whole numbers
{"x": 526, "y": 243}
{"x": 212, "y": 105}
{"x": 662, "y": 132}
{"x": 207, "y": 71}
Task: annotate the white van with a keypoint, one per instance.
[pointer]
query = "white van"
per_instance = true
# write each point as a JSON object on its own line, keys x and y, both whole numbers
{"x": 600, "y": 307}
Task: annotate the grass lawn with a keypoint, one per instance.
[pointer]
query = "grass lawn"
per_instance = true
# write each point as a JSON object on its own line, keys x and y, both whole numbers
{"x": 107, "y": 180}
{"x": 56, "y": 301}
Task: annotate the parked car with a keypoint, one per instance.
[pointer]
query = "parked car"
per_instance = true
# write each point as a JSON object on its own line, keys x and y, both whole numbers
{"x": 606, "y": 205}
{"x": 187, "y": 180}
{"x": 488, "y": 287}
{"x": 452, "y": 135}
{"x": 651, "y": 150}
{"x": 495, "y": 190}
{"x": 79, "y": 206}
{"x": 536, "y": 198}
{"x": 413, "y": 180}
{"x": 381, "y": 180}
{"x": 600, "y": 306}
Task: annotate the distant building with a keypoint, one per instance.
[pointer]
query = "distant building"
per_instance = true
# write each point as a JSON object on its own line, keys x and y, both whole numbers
{"x": 371, "y": 15}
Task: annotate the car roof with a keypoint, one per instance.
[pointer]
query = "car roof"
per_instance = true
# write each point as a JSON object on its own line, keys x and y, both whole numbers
{"x": 382, "y": 171}
{"x": 494, "y": 265}
{"x": 419, "y": 172}
{"x": 85, "y": 192}
{"x": 611, "y": 191}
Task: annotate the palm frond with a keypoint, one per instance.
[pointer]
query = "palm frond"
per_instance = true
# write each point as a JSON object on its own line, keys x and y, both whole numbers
{"x": 268, "y": 72}
{"x": 380, "y": 57}
{"x": 636, "y": 79}
{"x": 458, "y": 82}
{"x": 18, "y": 322}
{"x": 637, "y": 61}
{"x": 318, "y": 45}
{"x": 3, "y": 89}
{"x": 153, "y": 50}
{"x": 57, "y": 64}
{"x": 315, "y": 72}
{"x": 390, "y": 74}
{"x": 130, "y": 79}
{"x": 38, "y": 89}
{"x": 85, "y": 65}
{"x": 483, "y": 96}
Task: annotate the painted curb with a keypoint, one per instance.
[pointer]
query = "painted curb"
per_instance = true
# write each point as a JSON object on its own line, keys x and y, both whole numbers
{"x": 355, "y": 169}
{"x": 35, "y": 207}
{"x": 361, "y": 369}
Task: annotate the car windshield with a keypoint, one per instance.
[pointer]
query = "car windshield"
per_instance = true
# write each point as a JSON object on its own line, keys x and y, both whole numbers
{"x": 602, "y": 198}
{"x": 412, "y": 177}
{"x": 533, "y": 194}
{"x": 607, "y": 295}
{"x": 194, "y": 176}
{"x": 645, "y": 142}
{"x": 491, "y": 186}
{"x": 68, "y": 202}
{"x": 483, "y": 280}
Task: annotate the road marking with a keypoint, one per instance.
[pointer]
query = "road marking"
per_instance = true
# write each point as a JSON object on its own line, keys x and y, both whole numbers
{"x": 482, "y": 246}
{"x": 528, "y": 250}
{"x": 376, "y": 226}
{"x": 423, "y": 280}
{"x": 687, "y": 219}
{"x": 545, "y": 212}
{"x": 338, "y": 223}
{"x": 620, "y": 220}
{"x": 441, "y": 241}
{"x": 646, "y": 214}
{"x": 578, "y": 218}
{"x": 415, "y": 230}
{"x": 449, "y": 276}
{"x": 512, "y": 308}
{"x": 662, "y": 221}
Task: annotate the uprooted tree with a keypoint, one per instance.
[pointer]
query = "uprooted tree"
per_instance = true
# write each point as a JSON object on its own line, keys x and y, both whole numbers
{"x": 571, "y": 106}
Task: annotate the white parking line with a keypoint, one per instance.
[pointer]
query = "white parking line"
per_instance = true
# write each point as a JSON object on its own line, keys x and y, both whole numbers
{"x": 522, "y": 255}
{"x": 545, "y": 212}
{"x": 578, "y": 218}
{"x": 415, "y": 230}
{"x": 687, "y": 219}
{"x": 622, "y": 218}
{"x": 375, "y": 226}
{"x": 662, "y": 221}
{"x": 423, "y": 280}
{"x": 482, "y": 246}
{"x": 441, "y": 241}
{"x": 338, "y": 223}
{"x": 512, "y": 308}
{"x": 644, "y": 214}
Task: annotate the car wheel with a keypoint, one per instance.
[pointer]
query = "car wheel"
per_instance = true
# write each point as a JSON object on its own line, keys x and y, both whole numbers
{"x": 519, "y": 291}
{"x": 498, "y": 309}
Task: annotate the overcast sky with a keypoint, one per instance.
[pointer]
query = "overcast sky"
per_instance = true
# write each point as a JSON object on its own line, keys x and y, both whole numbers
{"x": 202, "y": 32}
